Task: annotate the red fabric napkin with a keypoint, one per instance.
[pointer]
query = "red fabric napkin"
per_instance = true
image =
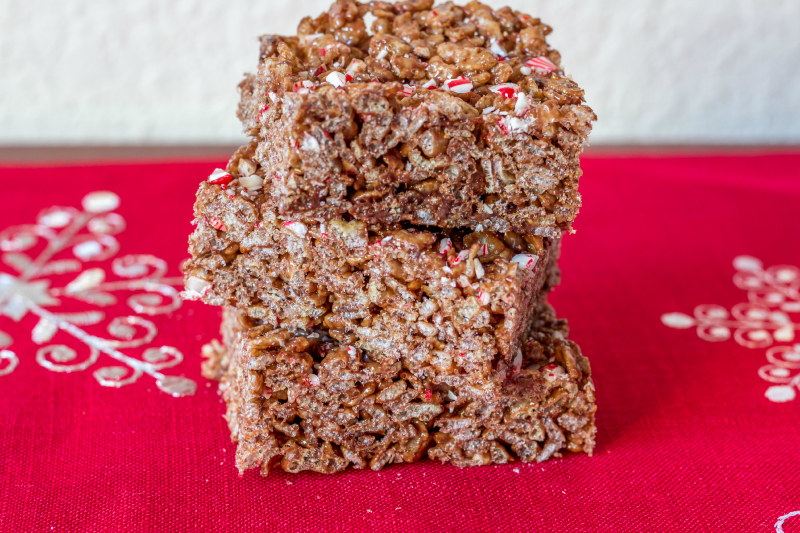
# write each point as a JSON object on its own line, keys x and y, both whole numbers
{"x": 672, "y": 286}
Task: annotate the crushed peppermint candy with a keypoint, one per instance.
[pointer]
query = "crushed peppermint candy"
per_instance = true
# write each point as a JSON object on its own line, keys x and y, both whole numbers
{"x": 506, "y": 90}
{"x": 310, "y": 143}
{"x": 479, "y": 272}
{"x": 304, "y": 87}
{"x": 447, "y": 269}
{"x": 273, "y": 96}
{"x": 552, "y": 372}
{"x": 219, "y": 177}
{"x": 298, "y": 228}
{"x": 517, "y": 362}
{"x": 487, "y": 110}
{"x": 452, "y": 396}
{"x": 252, "y": 182}
{"x": 383, "y": 53}
{"x": 511, "y": 124}
{"x": 445, "y": 245}
{"x": 496, "y": 49}
{"x": 408, "y": 90}
{"x": 541, "y": 65}
{"x": 196, "y": 288}
{"x": 526, "y": 261}
{"x": 217, "y": 224}
{"x": 337, "y": 79}
{"x": 386, "y": 239}
{"x": 459, "y": 85}
{"x": 463, "y": 254}
{"x": 484, "y": 297}
{"x": 351, "y": 351}
{"x": 313, "y": 380}
{"x": 430, "y": 84}
{"x": 526, "y": 71}
{"x": 522, "y": 105}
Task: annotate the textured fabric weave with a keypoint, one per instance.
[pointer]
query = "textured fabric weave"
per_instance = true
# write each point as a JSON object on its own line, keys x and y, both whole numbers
{"x": 689, "y": 437}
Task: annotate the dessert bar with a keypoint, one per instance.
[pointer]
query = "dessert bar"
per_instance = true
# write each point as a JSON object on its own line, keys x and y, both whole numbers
{"x": 305, "y": 401}
{"x": 452, "y": 116}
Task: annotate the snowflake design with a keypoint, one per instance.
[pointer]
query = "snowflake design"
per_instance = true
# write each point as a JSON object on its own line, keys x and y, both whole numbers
{"x": 90, "y": 235}
{"x": 764, "y": 320}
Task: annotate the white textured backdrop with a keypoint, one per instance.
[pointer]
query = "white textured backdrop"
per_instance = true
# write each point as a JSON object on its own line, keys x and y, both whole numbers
{"x": 150, "y": 71}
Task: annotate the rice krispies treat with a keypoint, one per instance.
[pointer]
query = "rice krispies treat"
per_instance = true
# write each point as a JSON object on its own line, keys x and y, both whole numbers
{"x": 450, "y": 116}
{"x": 307, "y": 402}
{"x": 405, "y": 293}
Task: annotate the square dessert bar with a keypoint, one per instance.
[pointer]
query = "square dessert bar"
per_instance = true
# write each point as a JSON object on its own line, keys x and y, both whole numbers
{"x": 305, "y": 401}
{"x": 452, "y": 116}
{"x": 405, "y": 293}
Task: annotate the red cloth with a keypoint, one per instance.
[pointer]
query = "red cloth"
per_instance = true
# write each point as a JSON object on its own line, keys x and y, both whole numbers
{"x": 687, "y": 439}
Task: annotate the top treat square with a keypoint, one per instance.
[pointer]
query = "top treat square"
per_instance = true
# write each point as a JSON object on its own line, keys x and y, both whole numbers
{"x": 450, "y": 116}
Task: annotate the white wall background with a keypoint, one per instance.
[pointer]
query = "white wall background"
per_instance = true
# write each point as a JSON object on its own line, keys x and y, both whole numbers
{"x": 151, "y": 71}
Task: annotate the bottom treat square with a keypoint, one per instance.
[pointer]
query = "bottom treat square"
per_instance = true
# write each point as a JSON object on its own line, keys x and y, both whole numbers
{"x": 307, "y": 402}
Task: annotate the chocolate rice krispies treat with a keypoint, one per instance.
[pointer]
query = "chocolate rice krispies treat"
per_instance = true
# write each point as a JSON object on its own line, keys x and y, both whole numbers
{"x": 453, "y": 116}
{"x": 405, "y": 292}
{"x": 305, "y": 401}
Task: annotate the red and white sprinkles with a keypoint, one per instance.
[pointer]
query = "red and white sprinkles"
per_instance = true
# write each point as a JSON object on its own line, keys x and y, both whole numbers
{"x": 337, "y": 79}
{"x": 526, "y": 261}
{"x": 219, "y": 177}
{"x": 541, "y": 65}
{"x": 298, "y": 228}
{"x": 460, "y": 85}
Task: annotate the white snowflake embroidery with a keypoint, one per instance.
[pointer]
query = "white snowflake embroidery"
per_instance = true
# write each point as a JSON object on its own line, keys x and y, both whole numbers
{"x": 90, "y": 235}
{"x": 783, "y": 519}
{"x": 764, "y": 320}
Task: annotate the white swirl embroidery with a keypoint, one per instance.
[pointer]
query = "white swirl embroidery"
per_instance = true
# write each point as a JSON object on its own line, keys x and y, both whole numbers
{"x": 784, "y": 518}
{"x": 90, "y": 235}
{"x": 764, "y": 320}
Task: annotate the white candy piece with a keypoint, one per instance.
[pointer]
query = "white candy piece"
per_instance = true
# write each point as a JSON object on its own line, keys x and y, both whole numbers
{"x": 298, "y": 228}
{"x": 526, "y": 71}
{"x": 251, "y": 182}
{"x": 273, "y": 96}
{"x": 198, "y": 286}
{"x": 313, "y": 37}
{"x": 383, "y": 53}
{"x": 526, "y": 261}
{"x": 337, "y": 79}
{"x": 479, "y": 272}
{"x": 445, "y": 245}
{"x": 497, "y": 50}
{"x": 522, "y": 105}
{"x": 430, "y": 84}
{"x": 310, "y": 143}
{"x": 351, "y": 351}
{"x": 313, "y": 380}
{"x": 487, "y": 110}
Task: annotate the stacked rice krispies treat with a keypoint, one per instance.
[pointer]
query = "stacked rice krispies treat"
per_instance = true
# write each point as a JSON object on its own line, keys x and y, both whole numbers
{"x": 384, "y": 245}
